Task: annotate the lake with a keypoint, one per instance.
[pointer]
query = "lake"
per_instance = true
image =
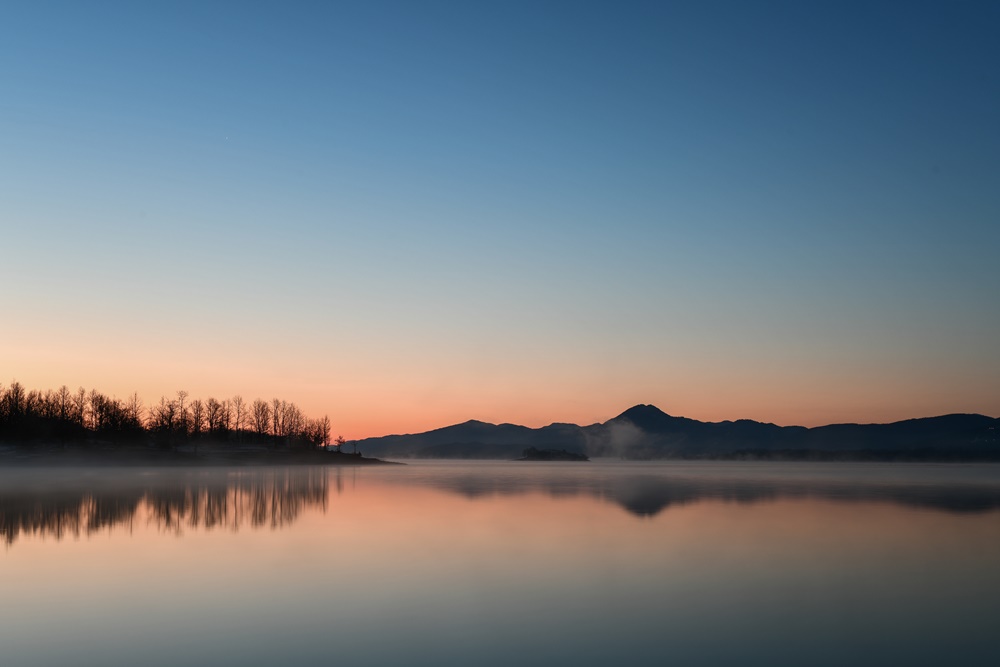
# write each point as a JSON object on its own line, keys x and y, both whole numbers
{"x": 459, "y": 563}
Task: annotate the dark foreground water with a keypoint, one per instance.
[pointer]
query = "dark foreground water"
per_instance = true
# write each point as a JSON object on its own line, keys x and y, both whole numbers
{"x": 502, "y": 564}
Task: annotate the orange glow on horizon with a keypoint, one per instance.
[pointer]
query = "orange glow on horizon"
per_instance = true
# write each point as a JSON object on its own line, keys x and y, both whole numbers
{"x": 367, "y": 395}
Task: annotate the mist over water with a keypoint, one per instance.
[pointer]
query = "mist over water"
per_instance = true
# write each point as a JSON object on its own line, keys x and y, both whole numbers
{"x": 502, "y": 563}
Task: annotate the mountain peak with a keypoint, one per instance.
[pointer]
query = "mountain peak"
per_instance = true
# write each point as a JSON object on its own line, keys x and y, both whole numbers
{"x": 642, "y": 411}
{"x": 649, "y": 418}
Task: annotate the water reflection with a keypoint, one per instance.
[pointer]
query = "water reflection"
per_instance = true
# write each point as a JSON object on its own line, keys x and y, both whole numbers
{"x": 74, "y": 502}
{"x": 497, "y": 564}
{"x": 650, "y": 490}
{"x": 61, "y": 503}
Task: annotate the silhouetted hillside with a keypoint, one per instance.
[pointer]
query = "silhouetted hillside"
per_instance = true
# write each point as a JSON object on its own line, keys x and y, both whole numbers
{"x": 646, "y": 432}
{"x": 477, "y": 440}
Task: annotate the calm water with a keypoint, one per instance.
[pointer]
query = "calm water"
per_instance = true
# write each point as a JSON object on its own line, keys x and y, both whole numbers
{"x": 501, "y": 564}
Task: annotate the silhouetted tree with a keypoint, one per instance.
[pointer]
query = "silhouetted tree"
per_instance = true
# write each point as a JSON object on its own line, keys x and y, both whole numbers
{"x": 14, "y": 402}
{"x": 50, "y": 405}
{"x": 238, "y": 407}
{"x": 133, "y": 410}
{"x": 182, "y": 415}
{"x": 197, "y": 417}
{"x": 213, "y": 415}
{"x": 38, "y": 415}
{"x": 65, "y": 399}
{"x": 260, "y": 415}
{"x": 293, "y": 424}
{"x": 95, "y": 409}
{"x": 324, "y": 426}
{"x": 80, "y": 406}
{"x": 277, "y": 412}
{"x": 163, "y": 417}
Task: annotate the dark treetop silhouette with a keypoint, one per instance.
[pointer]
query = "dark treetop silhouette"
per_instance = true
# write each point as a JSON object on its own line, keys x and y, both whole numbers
{"x": 91, "y": 422}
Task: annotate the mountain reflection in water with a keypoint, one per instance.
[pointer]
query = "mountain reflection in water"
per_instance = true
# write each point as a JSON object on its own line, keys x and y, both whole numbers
{"x": 951, "y": 488}
{"x": 73, "y": 502}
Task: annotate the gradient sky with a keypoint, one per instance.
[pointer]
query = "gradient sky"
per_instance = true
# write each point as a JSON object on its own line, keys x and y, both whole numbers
{"x": 411, "y": 214}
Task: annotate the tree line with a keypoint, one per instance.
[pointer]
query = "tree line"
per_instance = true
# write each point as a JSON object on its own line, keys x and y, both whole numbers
{"x": 63, "y": 415}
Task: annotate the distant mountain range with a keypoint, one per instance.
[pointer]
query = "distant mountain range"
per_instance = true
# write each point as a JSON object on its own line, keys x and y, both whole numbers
{"x": 646, "y": 432}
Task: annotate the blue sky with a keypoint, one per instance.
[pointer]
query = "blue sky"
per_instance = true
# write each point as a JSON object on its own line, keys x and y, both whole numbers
{"x": 511, "y": 211}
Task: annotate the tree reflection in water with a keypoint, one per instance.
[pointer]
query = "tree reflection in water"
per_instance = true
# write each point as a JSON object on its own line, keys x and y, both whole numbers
{"x": 67, "y": 501}
{"x": 61, "y": 503}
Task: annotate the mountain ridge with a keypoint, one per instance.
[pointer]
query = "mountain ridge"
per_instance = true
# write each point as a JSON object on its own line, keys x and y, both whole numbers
{"x": 644, "y": 431}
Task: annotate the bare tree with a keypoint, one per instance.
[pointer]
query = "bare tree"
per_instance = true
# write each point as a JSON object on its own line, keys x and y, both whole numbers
{"x": 133, "y": 410}
{"x": 225, "y": 415}
{"x": 213, "y": 415}
{"x": 260, "y": 414}
{"x": 14, "y": 401}
{"x": 65, "y": 399}
{"x": 316, "y": 432}
{"x": 277, "y": 412}
{"x": 197, "y": 417}
{"x": 163, "y": 417}
{"x": 292, "y": 421}
{"x": 182, "y": 415}
{"x": 238, "y": 408}
{"x": 80, "y": 406}
{"x": 324, "y": 430}
{"x": 50, "y": 405}
{"x": 95, "y": 401}
{"x": 34, "y": 404}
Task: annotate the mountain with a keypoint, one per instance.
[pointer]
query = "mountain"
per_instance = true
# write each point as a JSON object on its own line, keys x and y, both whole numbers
{"x": 477, "y": 440}
{"x": 646, "y": 432}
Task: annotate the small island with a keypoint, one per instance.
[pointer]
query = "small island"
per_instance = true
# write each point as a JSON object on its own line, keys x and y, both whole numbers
{"x": 535, "y": 454}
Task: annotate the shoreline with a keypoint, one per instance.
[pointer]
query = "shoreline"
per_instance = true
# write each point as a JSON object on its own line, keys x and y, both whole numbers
{"x": 139, "y": 457}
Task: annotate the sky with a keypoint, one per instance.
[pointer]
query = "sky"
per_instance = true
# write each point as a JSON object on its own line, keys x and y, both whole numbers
{"x": 407, "y": 215}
